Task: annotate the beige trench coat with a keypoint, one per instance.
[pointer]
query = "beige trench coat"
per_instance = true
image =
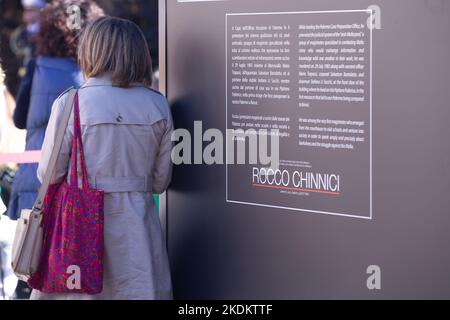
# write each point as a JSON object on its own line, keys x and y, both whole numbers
{"x": 127, "y": 143}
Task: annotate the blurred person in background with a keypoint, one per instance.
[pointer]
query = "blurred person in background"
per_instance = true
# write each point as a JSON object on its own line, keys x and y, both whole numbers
{"x": 10, "y": 20}
{"x": 3, "y": 120}
{"x": 143, "y": 12}
{"x": 53, "y": 71}
{"x": 12, "y": 140}
{"x": 31, "y": 17}
{"x": 24, "y": 38}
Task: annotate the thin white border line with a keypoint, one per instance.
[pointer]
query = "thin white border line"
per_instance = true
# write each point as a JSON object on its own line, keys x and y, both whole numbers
{"x": 226, "y": 107}
{"x": 303, "y": 210}
{"x": 226, "y": 117}
{"x": 371, "y": 116}
{"x": 295, "y": 12}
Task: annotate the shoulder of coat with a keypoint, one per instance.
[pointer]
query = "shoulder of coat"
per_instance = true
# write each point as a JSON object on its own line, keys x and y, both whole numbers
{"x": 65, "y": 92}
{"x": 156, "y": 91}
{"x": 159, "y": 96}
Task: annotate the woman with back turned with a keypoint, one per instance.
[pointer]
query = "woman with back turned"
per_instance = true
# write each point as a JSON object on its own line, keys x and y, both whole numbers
{"x": 126, "y": 131}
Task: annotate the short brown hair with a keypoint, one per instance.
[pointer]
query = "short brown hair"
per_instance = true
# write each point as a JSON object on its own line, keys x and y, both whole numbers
{"x": 56, "y": 38}
{"x": 116, "y": 46}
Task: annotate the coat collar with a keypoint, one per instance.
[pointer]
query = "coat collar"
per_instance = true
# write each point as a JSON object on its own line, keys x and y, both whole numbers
{"x": 104, "y": 80}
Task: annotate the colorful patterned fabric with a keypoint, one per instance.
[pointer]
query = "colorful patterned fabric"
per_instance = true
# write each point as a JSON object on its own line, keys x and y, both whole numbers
{"x": 72, "y": 255}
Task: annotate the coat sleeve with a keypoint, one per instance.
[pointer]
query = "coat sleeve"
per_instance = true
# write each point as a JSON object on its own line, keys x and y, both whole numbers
{"x": 62, "y": 164}
{"x": 162, "y": 172}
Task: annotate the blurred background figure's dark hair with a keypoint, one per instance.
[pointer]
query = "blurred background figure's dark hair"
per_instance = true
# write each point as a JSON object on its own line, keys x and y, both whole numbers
{"x": 56, "y": 37}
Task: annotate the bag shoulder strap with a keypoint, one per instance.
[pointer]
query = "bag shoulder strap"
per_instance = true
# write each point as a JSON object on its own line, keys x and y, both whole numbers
{"x": 56, "y": 149}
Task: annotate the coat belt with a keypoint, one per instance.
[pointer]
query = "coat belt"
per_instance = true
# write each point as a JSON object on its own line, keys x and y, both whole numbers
{"x": 121, "y": 184}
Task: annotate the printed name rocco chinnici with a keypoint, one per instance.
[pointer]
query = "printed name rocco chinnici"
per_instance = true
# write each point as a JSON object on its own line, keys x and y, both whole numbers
{"x": 297, "y": 179}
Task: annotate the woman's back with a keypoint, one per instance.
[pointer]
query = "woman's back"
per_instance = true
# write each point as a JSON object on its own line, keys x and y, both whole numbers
{"x": 126, "y": 132}
{"x": 123, "y": 130}
{"x": 127, "y": 144}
